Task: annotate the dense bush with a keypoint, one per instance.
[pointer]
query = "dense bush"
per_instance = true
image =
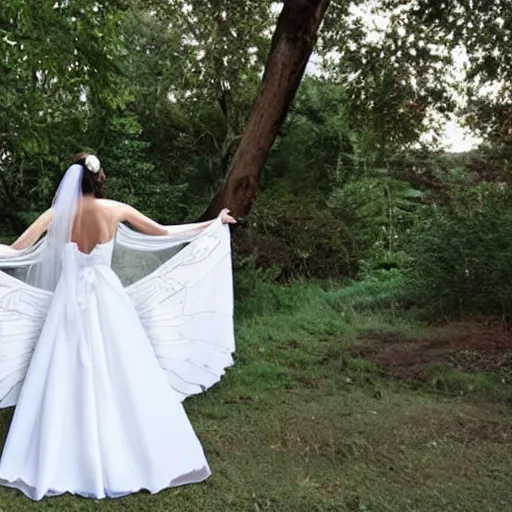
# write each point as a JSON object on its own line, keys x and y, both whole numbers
{"x": 379, "y": 211}
{"x": 461, "y": 257}
{"x": 299, "y": 239}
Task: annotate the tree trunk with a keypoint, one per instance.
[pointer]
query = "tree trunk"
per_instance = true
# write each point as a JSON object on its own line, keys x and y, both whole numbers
{"x": 292, "y": 44}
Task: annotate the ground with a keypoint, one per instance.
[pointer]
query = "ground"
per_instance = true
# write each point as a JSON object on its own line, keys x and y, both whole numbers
{"x": 337, "y": 407}
{"x": 462, "y": 346}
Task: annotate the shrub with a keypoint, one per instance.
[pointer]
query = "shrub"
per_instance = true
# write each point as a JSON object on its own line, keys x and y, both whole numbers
{"x": 461, "y": 257}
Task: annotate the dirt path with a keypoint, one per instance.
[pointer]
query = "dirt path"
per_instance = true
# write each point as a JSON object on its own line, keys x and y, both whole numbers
{"x": 464, "y": 347}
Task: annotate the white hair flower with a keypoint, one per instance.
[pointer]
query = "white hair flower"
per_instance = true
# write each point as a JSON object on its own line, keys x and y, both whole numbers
{"x": 93, "y": 164}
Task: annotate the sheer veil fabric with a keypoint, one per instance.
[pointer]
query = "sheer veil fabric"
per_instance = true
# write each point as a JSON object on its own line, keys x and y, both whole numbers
{"x": 97, "y": 352}
{"x": 46, "y": 271}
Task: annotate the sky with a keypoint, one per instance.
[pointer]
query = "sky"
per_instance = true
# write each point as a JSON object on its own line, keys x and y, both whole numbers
{"x": 456, "y": 139}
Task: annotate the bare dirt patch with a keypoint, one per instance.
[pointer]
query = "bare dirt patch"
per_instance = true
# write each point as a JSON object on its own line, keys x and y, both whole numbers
{"x": 460, "y": 422}
{"x": 465, "y": 347}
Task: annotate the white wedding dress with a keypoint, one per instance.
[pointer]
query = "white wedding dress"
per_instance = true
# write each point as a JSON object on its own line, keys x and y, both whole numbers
{"x": 98, "y": 371}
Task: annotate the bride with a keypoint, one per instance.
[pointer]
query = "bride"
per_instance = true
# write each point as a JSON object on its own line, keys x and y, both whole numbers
{"x": 104, "y": 330}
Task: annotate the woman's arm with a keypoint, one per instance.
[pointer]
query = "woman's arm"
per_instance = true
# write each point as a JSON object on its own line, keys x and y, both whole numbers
{"x": 197, "y": 227}
{"x": 140, "y": 221}
{"x": 150, "y": 227}
{"x": 32, "y": 234}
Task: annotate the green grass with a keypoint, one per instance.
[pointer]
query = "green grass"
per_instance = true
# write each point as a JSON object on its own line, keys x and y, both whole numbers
{"x": 451, "y": 381}
{"x": 300, "y": 424}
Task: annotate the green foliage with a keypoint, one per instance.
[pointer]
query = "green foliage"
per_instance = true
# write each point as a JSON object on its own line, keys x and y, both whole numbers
{"x": 316, "y": 147}
{"x": 250, "y": 279}
{"x": 460, "y": 257}
{"x": 482, "y": 30}
{"x": 59, "y": 80}
{"x": 132, "y": 177}
{"x": 301, "y": 239}
{"x": 386, "y": 289}
{"x": 206, "y": 58}
{"x": 393, "y": 67}
{"x": 379, "y": 211}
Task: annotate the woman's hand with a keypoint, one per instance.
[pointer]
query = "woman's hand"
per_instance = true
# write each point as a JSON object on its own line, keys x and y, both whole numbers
{"x": 226, "y": 217}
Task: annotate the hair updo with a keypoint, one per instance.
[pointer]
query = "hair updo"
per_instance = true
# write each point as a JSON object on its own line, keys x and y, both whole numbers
{"x": 93, "y": 184}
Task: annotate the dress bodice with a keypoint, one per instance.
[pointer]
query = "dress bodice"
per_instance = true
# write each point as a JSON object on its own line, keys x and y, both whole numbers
{"x": 79, "y": 270}
{"x": 100, "y": 255}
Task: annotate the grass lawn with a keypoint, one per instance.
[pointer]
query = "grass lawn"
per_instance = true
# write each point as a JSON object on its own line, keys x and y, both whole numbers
{"x": 340, "y": 403}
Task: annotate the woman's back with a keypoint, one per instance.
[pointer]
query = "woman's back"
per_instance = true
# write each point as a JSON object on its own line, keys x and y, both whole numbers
{"x": 95, "y": 223}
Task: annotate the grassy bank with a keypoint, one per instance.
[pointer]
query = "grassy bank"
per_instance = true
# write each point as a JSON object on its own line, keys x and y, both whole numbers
{"x": 340, "y": 402}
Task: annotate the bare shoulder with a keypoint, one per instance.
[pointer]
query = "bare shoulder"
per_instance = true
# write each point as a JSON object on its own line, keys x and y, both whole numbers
{"x": 113, "y": 207}
{"x": 110, "y": 203}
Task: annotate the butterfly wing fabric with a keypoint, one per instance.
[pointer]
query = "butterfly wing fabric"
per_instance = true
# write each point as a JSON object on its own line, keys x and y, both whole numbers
{"x": 186, "y": 309}
{"x": 23, "y": 311}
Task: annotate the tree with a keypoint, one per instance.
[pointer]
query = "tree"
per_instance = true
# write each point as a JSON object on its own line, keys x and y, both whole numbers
{"x": 479, "y": 34}
{"x": 58, "y": 76}
{"x": 292, "y": 44}
{"x": 207, "y": 55}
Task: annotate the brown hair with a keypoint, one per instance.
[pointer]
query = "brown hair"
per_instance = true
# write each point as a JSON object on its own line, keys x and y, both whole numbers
{"x": 92, "y": 184}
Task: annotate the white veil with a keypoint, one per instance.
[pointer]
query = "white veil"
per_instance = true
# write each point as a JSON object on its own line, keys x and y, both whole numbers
{"x": 45, "y": 272}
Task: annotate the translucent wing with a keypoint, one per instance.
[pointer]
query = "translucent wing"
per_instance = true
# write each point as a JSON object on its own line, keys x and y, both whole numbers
{"x": 186, "y": 308}
{"x": 23, "y": 310}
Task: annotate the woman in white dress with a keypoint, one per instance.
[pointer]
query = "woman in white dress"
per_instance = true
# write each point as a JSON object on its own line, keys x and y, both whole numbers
{"x": 98, "y": 370}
